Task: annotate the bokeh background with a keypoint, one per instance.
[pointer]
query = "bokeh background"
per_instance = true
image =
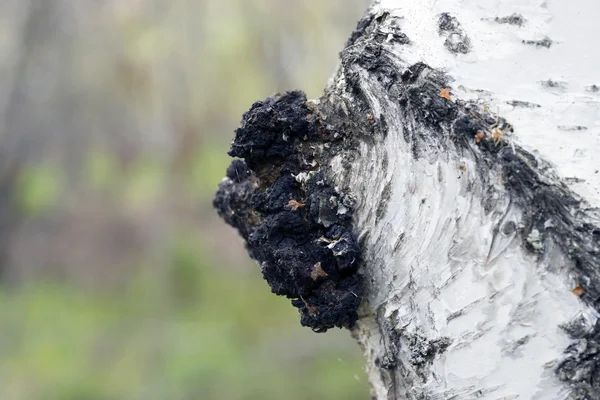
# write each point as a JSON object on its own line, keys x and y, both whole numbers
{"x": 117, "y": 279}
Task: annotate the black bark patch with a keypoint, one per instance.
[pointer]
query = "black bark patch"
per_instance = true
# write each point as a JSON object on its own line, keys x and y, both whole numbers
{"x": 523, "y": 104}
{"x": 572, "y": 128}
{"x": 509, "y": 228}
{"x": 545, "y": 42}
{"x": 581, "y": 366}
{"x": 550, "y": 84}
{"x": 295, "y": 224}
{"x": 384, "y": 198}
{"x": 360, "y": 29}
{"x": 389, "y": 364}
{"x": 480, "y": 92}
{"x": 383, "y": 27}
{"x": 423, "y": 351}
{"x": 390, "y": 32}
{"x": 457, "y": 40}
{"x": 592, "y": 89}
{"x": 514, "y": 19}
{"x": 553, "y": 213}
{"x": 578, "y": 327}
{"x": 425, "y": 101}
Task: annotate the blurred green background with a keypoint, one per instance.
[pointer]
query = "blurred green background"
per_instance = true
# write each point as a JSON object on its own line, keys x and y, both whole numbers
{"x": 117, "y": 279}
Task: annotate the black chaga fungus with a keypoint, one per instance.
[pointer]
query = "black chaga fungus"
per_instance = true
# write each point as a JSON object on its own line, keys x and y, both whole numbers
{"x": 237, "y": 171}
{"x": 270, "y": 128}
{"x": 294, "y": 223}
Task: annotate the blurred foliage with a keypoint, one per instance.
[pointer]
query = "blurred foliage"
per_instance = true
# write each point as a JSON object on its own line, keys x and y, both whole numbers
{"x": 38, "y": 189}
{"x": 120, "y": 281}
{"x": 195, "y": 333}
{"x": 101, "y": 170}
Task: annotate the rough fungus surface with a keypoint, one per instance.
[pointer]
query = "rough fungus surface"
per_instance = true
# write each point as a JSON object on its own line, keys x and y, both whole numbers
{"x": 298, "y": 227}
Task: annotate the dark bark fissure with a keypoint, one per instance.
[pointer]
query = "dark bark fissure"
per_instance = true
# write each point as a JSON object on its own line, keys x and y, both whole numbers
{"x": 290, "y": 243}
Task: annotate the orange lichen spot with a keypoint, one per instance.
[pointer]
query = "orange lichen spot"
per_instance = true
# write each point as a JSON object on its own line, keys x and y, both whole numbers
{"x": 479, "y": 136}
{"x": 294, "y": 205}
{"x": 497, "y": 135}
{"x": 317, "y": 272}
{"x": 578, "y": 291}
{"x": 445, "y": 93}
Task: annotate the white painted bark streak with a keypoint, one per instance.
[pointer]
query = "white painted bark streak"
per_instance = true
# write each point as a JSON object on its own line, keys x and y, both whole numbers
{"x": 435, "y": 268}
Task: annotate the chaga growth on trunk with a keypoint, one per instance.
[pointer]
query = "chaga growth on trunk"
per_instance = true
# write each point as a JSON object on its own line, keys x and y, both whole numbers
{"x": 295, "y": 224}
{"x": 394, "y": 193}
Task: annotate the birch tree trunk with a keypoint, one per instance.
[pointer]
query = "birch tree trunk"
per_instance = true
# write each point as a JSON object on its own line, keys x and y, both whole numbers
{"x": 441, "y": 198}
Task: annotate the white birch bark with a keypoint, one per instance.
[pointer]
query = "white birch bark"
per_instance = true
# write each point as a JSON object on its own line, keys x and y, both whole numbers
{"x": 456, "y": 305}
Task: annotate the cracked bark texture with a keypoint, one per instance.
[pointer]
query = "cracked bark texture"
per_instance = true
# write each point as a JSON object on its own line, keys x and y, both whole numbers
{"x": 465, "y": 134}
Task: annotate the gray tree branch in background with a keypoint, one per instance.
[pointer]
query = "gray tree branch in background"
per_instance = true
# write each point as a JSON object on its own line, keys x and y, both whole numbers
{"x": 440, "y": 199}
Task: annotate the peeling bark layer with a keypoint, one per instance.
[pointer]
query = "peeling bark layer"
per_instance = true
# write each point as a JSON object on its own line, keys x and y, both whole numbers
{"x": 479, "y": 264}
